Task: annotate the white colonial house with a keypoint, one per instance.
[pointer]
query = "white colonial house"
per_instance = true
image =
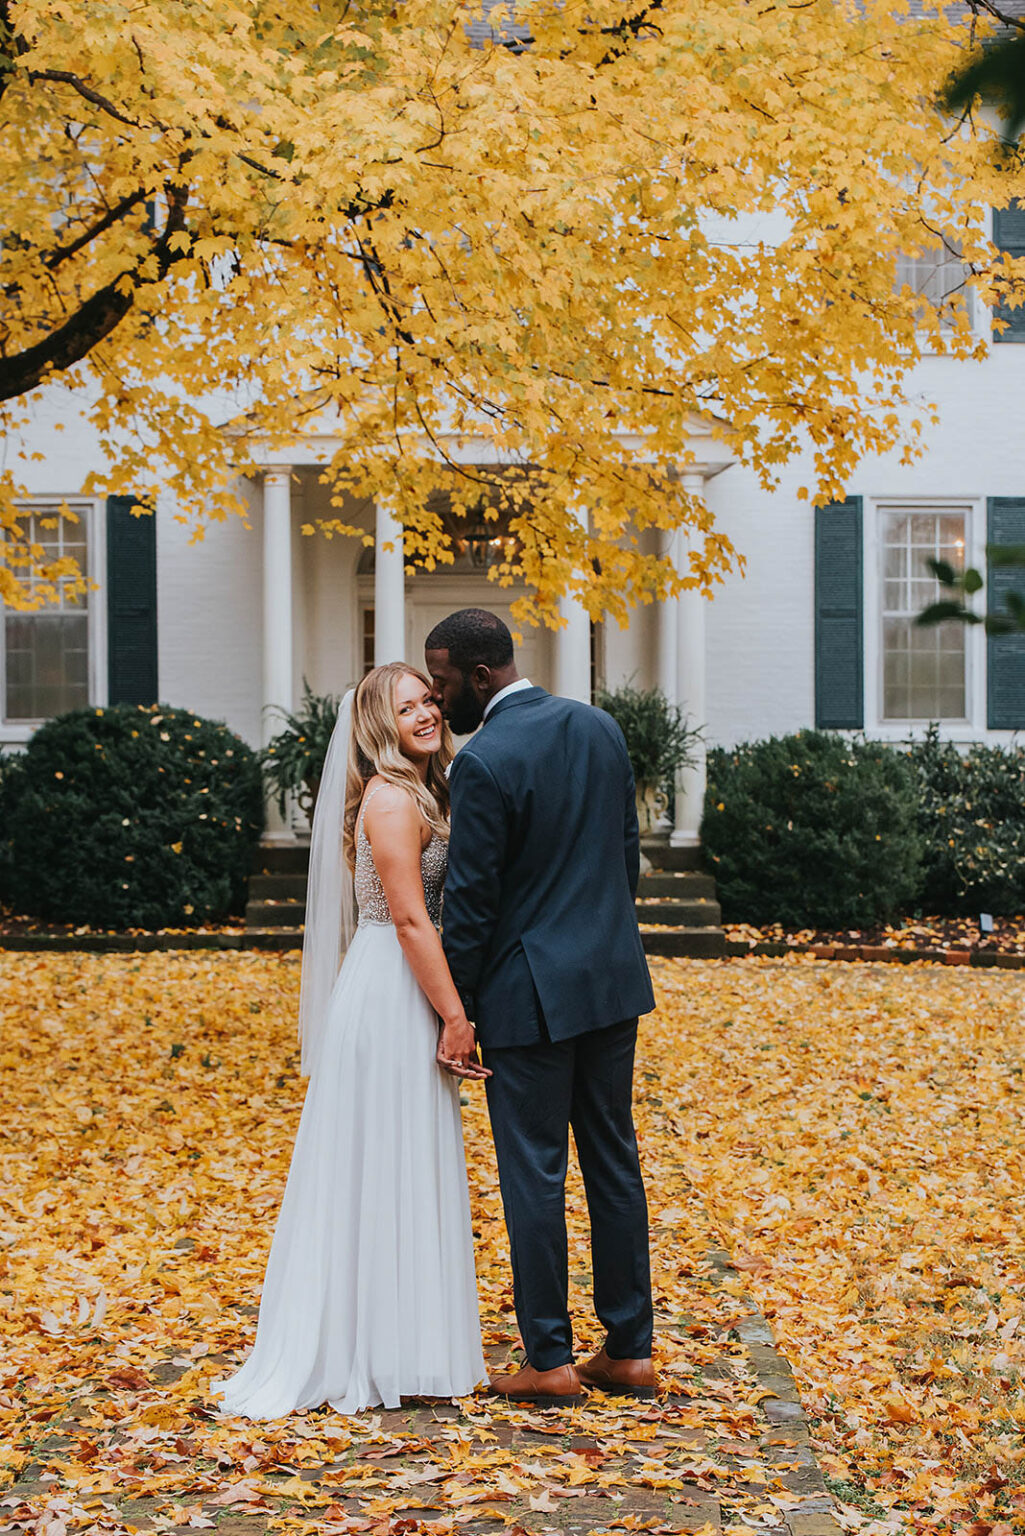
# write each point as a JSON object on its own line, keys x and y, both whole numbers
{"x": 818, "y": 630}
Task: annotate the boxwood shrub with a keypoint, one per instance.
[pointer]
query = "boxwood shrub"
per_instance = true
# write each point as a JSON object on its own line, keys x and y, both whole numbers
{"x": 972, "y": 823}
{"x": 8, "y": 770}
{"x": 130, "y": 817}
{"x": 812, "y": 830}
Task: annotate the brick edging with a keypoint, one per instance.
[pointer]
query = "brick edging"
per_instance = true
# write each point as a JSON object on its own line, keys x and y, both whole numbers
{"x": 779, "y": 1402}
{"x": 984, "y": 959}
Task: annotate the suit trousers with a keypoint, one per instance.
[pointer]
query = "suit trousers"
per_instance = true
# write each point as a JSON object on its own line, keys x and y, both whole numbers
{"x": 536, "y": 1093}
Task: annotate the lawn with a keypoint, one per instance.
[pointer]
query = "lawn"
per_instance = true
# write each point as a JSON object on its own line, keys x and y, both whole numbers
{"x": 854, "y": 1135}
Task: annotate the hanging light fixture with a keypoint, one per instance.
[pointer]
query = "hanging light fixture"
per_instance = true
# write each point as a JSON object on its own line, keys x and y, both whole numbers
{"x": 478, "y": 543}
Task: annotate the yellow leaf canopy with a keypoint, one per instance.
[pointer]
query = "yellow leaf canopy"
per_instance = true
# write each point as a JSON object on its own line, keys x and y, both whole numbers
{"x": 564, "y": 235}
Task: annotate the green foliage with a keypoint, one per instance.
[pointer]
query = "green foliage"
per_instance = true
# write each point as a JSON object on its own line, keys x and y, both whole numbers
{"x": 9, "y": 768}
{"x": 812, "y": 830}
{"x": 961, "y": 585}
{"x": 131, "y": 818}
{"x": 658, "y": 738}
{"x": 293, "y": 761}
{"x": 996, "y": 76}
{"x": 972, "y": 824}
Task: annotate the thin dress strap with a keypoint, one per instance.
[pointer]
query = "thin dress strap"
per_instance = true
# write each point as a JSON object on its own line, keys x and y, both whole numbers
{"x": 363, "y": 808}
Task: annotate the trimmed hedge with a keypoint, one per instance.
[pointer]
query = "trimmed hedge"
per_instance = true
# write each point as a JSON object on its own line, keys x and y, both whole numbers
{"x": 8, "y": 771}
{"x": 812, "y": 830}
{"x": 972, "y": 823}
{"x": 130, "y": 817}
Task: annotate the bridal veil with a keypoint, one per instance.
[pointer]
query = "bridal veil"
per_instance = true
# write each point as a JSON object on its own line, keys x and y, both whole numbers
{"x": 330, "y": 903}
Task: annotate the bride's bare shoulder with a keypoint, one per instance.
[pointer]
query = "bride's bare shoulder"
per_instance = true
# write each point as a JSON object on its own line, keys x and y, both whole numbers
{"x": 389, "y": 810}
{"x": 381, "y": 794}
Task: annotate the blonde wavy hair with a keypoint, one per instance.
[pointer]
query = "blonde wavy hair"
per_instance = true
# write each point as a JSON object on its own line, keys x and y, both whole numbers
{"x": 374, "y": 748}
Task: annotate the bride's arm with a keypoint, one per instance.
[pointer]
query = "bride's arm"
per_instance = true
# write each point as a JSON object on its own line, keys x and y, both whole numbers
{"x": 395, "y": 830}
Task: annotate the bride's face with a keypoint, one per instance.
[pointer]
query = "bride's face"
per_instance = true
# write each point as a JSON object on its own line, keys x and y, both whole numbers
{"x": 418, "y": 719}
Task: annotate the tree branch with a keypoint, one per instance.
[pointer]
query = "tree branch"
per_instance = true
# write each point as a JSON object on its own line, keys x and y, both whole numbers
{"x": 60, "y": 253}
{"x": 990, "y": 8}
{"x": 95, "y": 318}
{"x": 65, "y": 77}
{"x": 629, "y": 29}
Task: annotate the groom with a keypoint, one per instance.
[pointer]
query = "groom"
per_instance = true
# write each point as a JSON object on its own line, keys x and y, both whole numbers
{"x": 541, "y": 937}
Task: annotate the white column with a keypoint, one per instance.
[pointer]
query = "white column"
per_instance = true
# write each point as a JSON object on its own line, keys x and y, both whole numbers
{"x": 667, "y": 674}
{"x": 277, "y": 617}
{"x": 690, "y": 672}
{"x": 573, "y": 651}
{"x": 389, "y": 590}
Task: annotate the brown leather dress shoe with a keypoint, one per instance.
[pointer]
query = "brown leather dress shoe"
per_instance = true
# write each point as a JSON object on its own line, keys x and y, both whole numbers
{"x": 633, "y": 1378}
{"x": 547, "y": 1389}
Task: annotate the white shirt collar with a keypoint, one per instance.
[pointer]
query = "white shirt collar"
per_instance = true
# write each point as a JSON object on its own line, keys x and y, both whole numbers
{"x": 503, "y": 693}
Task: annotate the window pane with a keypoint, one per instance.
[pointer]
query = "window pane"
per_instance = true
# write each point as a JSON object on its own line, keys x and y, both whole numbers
{"x": 899, "y": 526}
{"x": 952, "y": 530}
{"x": 936, "y": 274}
{"x": 923, "y": 669}
{"x": 952, "y": 705}
{"x": 66, "y": 539}
{"x": 47, "y": 650}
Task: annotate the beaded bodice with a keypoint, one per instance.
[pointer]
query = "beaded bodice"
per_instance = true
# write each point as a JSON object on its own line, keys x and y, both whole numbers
{"x": 370, "y": 897}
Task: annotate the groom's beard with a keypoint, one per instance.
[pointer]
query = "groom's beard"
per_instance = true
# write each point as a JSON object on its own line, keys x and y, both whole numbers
{"x": 467, "y": 712}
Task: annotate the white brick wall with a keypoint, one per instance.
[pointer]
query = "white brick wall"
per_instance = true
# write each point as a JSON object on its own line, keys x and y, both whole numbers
{"x": 761, "y": 625}
{"x": 209, "y": 599}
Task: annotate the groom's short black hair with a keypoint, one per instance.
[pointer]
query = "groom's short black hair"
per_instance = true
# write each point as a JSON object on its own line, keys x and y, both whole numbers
{"x": 473, "y": 637}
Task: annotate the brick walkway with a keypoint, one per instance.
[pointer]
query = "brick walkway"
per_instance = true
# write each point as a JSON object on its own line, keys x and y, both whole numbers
{"x": 726, "y": 1448}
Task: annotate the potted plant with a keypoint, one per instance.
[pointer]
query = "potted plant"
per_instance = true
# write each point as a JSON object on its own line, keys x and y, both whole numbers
{"x": 293, "y": 761}
{"x": 659, "y": 742}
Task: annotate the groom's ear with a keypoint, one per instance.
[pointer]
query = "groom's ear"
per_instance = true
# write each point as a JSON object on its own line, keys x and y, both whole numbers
{"x": 480, "y": 678}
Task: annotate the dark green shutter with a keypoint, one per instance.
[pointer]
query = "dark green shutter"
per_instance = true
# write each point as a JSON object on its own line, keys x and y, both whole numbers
{"x": 131, "y": 604}
{"x": 1009, "y": 236}
{"x": 1005, "y": 654}
{"x": 839, "y": 667}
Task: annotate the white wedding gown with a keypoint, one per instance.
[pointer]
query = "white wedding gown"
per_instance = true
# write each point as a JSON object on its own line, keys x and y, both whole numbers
{"x": 370, "y": 1293}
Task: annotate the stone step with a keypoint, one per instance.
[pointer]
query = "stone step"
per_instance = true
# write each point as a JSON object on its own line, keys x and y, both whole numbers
{"x": 681, "y": 914}
{"x": 687, "y": 910}
{"x": 678, "y": 885}
{"x": 272, "y": 938}
{"x": 281, "y": 859}
{"x": 691, "y": 943}
{"x": 275, "y": 914}
{"x": 661, "y": 856}
{"x": 277, "y": 887}
{"x": 294, "y": 858}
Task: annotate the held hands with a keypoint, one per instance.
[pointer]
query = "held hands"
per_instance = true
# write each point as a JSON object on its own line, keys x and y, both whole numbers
{"x": 457, "y": 1049}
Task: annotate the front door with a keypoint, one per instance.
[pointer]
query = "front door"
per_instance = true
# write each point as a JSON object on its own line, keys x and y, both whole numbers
{"x": 431, "y": 598}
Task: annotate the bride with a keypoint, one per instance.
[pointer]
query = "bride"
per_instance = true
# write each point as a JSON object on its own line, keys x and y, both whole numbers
{"x": 370, "y": 1293}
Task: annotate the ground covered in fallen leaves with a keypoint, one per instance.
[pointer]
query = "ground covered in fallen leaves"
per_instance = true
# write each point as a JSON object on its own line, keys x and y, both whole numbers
{"x": 854, "y": 1135}
{"x": 858, "y": 1134}
{"x": 1001, "y": 936}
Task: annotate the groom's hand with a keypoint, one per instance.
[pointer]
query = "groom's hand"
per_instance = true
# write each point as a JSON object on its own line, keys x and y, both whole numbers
{"x": 457, "y": 1050}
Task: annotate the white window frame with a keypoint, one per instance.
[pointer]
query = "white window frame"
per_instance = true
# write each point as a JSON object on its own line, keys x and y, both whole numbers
{"x": 980, "y": 315}
{"x": 971, "y": 299}
{"x": 93, "y": 510}
{"x": 973, "y": 726}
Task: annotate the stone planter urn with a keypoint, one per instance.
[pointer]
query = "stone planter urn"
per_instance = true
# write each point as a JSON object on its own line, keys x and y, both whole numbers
{"x": 652, "y": 804}
{"x": 307, "y": 796}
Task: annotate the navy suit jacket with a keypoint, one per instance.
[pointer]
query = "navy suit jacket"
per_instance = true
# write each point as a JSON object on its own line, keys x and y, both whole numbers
{"x": 542, "y": 874}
